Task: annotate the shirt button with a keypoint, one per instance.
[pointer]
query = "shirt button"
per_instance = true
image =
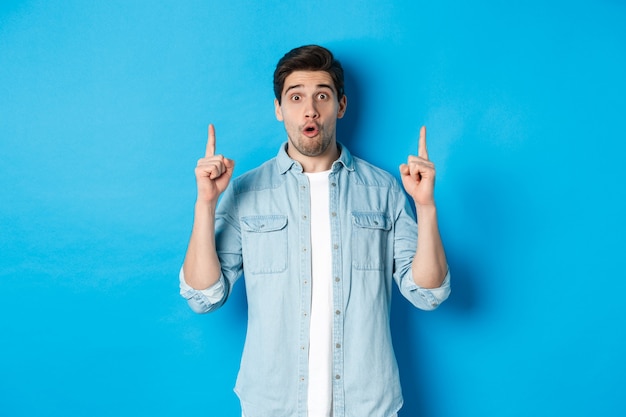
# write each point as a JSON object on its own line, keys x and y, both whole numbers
{"x": 337, "y": 376}
{"x": 334, "y": 214}
{"x": 337, "y": 312}
{"x": 334, "y": 184}
{"x": 335, "y": 246}
{"x": 338, "y": 345}
{"x": 304, "y": 217}
{"x": 337, "y": 279}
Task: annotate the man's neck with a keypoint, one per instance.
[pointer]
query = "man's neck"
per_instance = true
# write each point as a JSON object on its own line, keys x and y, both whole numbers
{"x": 318, "y": 163}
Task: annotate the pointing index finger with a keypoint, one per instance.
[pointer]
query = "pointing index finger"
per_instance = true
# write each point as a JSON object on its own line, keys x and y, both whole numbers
{"x": 210, "y": 144}
{"x": 421, "y": 147}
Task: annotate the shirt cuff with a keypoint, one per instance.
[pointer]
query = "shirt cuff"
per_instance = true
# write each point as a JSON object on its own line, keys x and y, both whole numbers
{"x": 430, "y": 297}
{"x": 201, "y": 300}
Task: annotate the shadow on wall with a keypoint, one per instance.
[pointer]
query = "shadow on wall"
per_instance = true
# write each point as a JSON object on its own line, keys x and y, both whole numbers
{"x": 405, "y": 327}
{"x": 490, "y": 216}
{"x": 347, "y": 128}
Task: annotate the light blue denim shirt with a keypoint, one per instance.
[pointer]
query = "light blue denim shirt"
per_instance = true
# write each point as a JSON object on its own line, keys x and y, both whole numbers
{"x": 263, "y": 230}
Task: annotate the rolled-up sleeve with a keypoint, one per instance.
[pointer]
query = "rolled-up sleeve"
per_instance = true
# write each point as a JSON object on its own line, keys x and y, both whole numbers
{"x": 426, "y": 298}
{"x": 404, "y": 246}
{"x": 203, "y": 301}
{"x": 228, "y": 244}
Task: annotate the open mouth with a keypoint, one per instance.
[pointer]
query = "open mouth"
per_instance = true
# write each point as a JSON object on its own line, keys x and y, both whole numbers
{"x": 310, "y": 130}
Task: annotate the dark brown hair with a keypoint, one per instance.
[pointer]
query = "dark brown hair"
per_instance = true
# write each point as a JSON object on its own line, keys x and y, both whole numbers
{"x": 308, "y": 58}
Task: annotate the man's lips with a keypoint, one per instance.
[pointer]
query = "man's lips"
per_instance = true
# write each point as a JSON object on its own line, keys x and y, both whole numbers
{"x": 310, "y": 130}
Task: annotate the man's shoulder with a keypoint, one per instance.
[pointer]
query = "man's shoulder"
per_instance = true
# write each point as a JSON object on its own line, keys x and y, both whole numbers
{"x": 263, "y": 176}
{"x": 367, "y": 173}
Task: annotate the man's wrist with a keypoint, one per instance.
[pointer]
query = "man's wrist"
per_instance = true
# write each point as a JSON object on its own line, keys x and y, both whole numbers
{"x": 207, "y": 207}
{"x": 426, "y": 209}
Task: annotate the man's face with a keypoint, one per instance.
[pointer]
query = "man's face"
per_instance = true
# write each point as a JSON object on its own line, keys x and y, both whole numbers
{"x": 309, "y": 109}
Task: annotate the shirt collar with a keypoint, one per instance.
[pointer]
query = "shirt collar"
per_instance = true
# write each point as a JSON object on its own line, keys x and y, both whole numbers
{"x": 285, "y": 163}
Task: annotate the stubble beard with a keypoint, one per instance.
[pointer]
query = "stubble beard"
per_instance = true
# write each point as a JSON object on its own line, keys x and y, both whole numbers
{"x": 311, "y": 147}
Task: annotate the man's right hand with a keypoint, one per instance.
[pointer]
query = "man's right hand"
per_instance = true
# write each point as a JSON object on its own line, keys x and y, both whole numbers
{"x": 213, "y": 172}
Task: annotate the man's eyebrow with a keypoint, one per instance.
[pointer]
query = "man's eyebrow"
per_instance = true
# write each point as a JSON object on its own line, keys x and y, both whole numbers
{"x": 292, "y": 87}
{"x": 330, "y": 87}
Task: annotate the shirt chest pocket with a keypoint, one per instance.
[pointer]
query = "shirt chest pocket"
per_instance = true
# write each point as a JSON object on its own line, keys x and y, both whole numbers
{"x": 264, "y": 244}
{"x": 370, "y": 232}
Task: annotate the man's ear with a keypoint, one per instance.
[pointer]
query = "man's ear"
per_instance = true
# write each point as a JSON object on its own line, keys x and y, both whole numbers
{"x": 278, "y": 110}
{"x": 343, "y": 104}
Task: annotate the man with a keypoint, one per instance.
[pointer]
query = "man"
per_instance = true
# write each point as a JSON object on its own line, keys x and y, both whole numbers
{"x": 320, "y": 235}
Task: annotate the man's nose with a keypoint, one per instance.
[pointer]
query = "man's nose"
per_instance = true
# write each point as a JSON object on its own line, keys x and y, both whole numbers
{"x": 311, "y": 110}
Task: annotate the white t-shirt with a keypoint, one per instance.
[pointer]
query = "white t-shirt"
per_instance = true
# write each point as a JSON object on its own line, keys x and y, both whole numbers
{"x": 321, "y": 326}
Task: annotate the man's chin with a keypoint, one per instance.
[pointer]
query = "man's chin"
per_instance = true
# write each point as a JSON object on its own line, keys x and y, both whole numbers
{"x": 310, "y": 147}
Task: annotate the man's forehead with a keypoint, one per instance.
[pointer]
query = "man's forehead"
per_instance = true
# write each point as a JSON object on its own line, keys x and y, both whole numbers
{"x": 308, "y": 79}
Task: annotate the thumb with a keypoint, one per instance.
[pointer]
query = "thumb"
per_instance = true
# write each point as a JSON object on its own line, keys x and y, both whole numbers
{"x": 229, "y": 164}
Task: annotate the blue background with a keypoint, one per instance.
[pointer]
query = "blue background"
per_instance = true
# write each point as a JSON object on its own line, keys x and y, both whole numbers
{"x": 103, "y": 115}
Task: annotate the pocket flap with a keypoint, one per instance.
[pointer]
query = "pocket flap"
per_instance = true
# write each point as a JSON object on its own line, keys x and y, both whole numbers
{"x": 370, "y": 220}
{"x": 268, "y": 223}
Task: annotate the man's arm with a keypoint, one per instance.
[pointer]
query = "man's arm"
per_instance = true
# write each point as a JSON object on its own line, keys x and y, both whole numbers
{"x": 418, "y": 178}
{"x": 201, "y": 267}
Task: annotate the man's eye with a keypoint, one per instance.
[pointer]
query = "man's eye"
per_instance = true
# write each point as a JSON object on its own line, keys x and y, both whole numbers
{"x": 323, "y": 96}
{"x": 295, "y": 97}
